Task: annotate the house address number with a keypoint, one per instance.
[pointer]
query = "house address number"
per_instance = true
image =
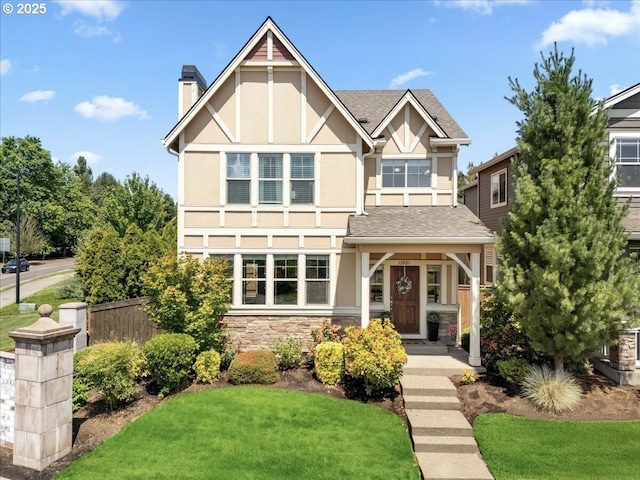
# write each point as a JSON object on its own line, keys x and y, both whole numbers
{"x": 404, "y": 263}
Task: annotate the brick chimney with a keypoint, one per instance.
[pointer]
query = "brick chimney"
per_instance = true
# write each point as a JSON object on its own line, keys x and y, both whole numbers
{"x": 192, "y": 86}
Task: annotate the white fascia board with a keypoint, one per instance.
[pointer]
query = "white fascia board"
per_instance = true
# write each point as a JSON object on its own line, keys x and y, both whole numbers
{"x": 634, "y": 236}
{"x": 620, "y": 96}
{"x": 419, "y": 240}
{"x": 438, "y": 142}
{"x": 408, "y": 98}
{"x": 268, "y": 25}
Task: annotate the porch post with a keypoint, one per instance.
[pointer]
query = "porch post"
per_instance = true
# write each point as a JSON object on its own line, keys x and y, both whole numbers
{"x": 474, "y": 341}
{"x": 364, "y": 289}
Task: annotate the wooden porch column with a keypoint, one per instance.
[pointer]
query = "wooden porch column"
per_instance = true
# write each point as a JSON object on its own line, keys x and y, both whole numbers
{"x": 364, "y": 289}
{"x": 474, "y": 341}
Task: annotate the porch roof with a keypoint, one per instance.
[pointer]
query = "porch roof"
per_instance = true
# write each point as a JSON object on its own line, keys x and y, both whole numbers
{"x": 418, "y": 225}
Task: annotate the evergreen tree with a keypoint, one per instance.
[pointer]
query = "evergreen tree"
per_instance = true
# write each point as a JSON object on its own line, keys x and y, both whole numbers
{"x": 562, "y": 273}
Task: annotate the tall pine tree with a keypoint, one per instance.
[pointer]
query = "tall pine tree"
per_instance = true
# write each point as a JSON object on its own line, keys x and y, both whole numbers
{"x": 562, "y": 273}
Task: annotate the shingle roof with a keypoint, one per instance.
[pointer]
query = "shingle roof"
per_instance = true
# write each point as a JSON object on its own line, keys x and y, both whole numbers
{"x": 442, "y": 222}
{"x": 374, "y": 105}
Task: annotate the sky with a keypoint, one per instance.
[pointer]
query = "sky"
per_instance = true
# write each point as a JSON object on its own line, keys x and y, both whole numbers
{"x": 99, "y": 78}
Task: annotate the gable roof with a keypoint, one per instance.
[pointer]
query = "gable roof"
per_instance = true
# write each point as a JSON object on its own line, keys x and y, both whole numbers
{"x": 621, "y": 96}
{"x": 249, "y": 48}
{"x": 375, "y": 106}
{"x": 416, "y": 225}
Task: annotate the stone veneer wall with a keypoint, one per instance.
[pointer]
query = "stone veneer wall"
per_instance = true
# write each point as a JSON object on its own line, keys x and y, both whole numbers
{"x": 623, "y": 355}
{"x": 260, "y": 331}
{"x": 7, "y": 398}
{"x": 446, "y": 320}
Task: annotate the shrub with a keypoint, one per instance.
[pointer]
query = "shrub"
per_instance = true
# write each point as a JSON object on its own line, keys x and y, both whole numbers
{"x": 288, "y": 352}
{"x": 468, "y": 377}
{"x": 374, "y": 355}
{"x": 72, "y": 288}
{"x": 327, "y": 333}
{"x": 465, "y": 339}
{"x": 329, "y": 362}
{"x": 551, "y": 390}
{"x": 254, "y": 366}
{"x": 207, "y": 366}
{"x": 109, "y": 368}
{"x": 228, "y": 354}
{"x": 170, "y": 358}
{"x": 513, "y": 371}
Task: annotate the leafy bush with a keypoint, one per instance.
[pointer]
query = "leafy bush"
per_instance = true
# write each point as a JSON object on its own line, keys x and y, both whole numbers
{"x": 254, "y": 366}
{"x": 513, "y": 370}
{"x": 468, "y": 377}
{"x": 109, "y": 368}
{"x": 374, "y": 355}
{"x": 329, "y": 362}
{"x": 288, "y": 352}
{"x": 72, "y": 288}
{"x": 189, "y": 296}
{"x": 207, "y": 366}
{"x": 170, "y": 359}
{"x": 551, "y": 390}
{"x": 327, "y": 333}
{"x": 229, "y": 352}
{"x": 465, "y": 339}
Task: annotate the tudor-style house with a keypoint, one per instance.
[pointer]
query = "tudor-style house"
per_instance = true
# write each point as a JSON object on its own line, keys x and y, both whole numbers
{"x": 327, "y": 204}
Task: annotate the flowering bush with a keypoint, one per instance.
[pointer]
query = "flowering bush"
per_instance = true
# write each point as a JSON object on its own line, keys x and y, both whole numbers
{"x": 327, "y": 333}
{"x": 374, "y": 355}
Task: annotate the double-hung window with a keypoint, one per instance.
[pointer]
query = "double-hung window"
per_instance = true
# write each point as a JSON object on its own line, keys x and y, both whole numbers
{"x": 302, "y": 178}
{"x": 285, "y": 279}
{"x": 628, "y": 162}
{"x": 254, "y": 279}
{"x": 434, "y": 283}
{"x": 238, "y": 177}
{"x": 376, "y": 286}
{"x": 270, "y": 179}
{"x": 317, "y": 271}
{"x": 406, "y": 173}
{"x": 499, "y": 188}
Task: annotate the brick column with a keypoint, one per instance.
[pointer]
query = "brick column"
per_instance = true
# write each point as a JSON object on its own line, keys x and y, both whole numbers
{"x": 43, "y": 410}
{"x": 622, "y": 355}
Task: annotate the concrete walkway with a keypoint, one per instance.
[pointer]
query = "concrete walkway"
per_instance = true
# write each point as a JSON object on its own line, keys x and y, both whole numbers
{"x": 8, "y": 295}
{"x": 442, "y": 437}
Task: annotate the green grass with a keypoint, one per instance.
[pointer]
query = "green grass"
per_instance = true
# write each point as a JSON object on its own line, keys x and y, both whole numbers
{"x": 11, "y": 318}
{"x": 251, "y": 432}
{"x": 521, "y": 448}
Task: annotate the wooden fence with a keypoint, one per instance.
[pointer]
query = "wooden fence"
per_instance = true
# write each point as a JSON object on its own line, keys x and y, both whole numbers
{"x": 119, "y": 321}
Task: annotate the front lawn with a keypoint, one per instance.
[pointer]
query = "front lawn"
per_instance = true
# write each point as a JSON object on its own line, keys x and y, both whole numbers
{"x": 521, "y": 448}
{"x": 254, "y": 432}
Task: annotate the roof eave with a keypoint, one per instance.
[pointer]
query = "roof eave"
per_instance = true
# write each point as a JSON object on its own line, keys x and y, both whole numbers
{"x": 449, "y": 141}
{"x": 419, "y": 240}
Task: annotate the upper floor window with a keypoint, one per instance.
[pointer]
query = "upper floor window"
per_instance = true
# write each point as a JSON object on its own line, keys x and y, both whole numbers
{"x": 406, "y": 173}
{"x": 628, "y": 162}
{"x": 238, "y": 177}
{"x": 302, "y": 178}
{"x": 270, "y": 178}
{"x": 499, "y": 188}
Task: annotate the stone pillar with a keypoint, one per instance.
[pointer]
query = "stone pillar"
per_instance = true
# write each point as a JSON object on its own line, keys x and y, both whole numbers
{"x": 75, "y": 314}
{"x": 43, "y": 410}
{"x": 623, "y": 354}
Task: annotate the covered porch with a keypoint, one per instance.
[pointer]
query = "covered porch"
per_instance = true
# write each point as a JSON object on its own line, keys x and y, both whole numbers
{"x": 407, "y": 261}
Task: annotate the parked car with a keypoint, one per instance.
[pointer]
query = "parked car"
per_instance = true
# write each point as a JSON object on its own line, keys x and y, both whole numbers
{"x": 11, "y": 266}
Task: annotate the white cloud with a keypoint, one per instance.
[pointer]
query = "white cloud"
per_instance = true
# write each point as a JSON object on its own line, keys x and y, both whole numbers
{"x": 482, "y": 7}
{"x": 613, "y": 89}
{"x": 5, "y": 66}
{"x": 89, "y": 156}
{"x": 593, "y": 26}
{"x": 104, "y": 107}
{"x": 88, "y": 31}
{"x": 98, "y": 9}
{"x": 38, "y": 96}
{"x": 407, "y": 77}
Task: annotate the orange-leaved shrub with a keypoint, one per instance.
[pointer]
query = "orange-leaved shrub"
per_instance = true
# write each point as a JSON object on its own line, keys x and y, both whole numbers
{"x": 254, "y": 366}
{"x": 374, "y": 355}
{"x": 329, "y": 362}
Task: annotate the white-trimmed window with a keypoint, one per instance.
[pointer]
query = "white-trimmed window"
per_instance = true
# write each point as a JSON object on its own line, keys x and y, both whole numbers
{"x": 317, "y": 273}
{"x": 238, "y": 178}
{"x": 499, "y": 188}
{"x": 302, "y": 178}
{"x": 285, "y": 280}
{"x": 254, "y": 279}
{"x": 270, "y": 179}
{"x": 627, "y": 157}
{"x": 376, "y": 285}
{"x": 434, "y": 284}
{"x": 489, "y": 264}
{"x": 406, "y": 173}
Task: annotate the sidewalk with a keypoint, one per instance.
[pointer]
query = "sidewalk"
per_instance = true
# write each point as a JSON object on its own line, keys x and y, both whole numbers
{"x": 8, "y": 296}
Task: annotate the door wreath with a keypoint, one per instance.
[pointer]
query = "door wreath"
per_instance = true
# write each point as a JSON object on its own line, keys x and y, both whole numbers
{"x": 404, "y": 284}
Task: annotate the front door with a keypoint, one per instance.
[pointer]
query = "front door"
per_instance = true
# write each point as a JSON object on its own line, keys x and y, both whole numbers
{"x": 405, "y": 299}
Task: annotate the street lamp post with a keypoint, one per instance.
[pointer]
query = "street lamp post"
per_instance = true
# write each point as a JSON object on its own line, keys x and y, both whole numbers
{"x": 17, "y": 175}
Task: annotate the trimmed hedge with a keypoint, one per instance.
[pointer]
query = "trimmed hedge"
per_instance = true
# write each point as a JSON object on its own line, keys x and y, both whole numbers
{"x": 170, "y": 358}
{"x": 329, "y": 362}
{"x": 207, "y": 366}
{"x": 254, "y": 366}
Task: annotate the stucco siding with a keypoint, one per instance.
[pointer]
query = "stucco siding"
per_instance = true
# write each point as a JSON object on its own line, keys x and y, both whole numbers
{"x": 302, "y": 220}
{"x": 253, "y": 110}
{"x": 445, "y": 172}
{"x": 222, "y": 241}
{"x": 338, "y": 185}
{"x": 237, "y": 219}
{"x": 200, "y": 219}
{"x": 345, "y": 278}
{"x": 258, "y": 241}
{"x": 202, "y": 170}
{"x": 203, "y": 129}
{"x": 286, "y": 106}
{"x": 270, "y": 220}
